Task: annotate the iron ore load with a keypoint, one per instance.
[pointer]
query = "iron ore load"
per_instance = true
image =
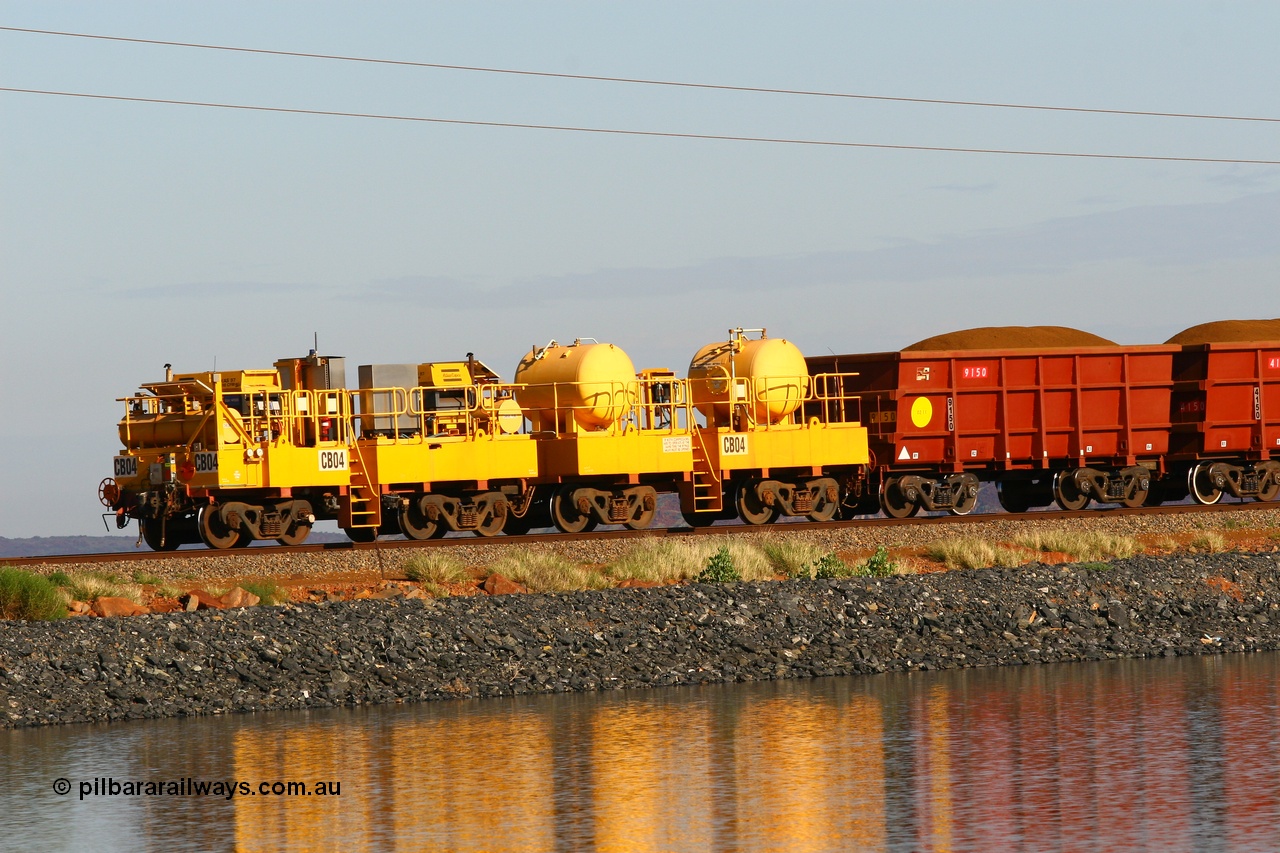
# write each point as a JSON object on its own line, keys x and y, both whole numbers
{"x": 754, "y": 431}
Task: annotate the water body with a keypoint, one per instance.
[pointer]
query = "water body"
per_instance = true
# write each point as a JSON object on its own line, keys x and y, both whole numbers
{"x": 1156, "y": 755}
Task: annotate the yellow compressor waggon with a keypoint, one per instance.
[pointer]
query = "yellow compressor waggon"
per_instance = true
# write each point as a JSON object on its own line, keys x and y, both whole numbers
{"x": 228, "y": 457}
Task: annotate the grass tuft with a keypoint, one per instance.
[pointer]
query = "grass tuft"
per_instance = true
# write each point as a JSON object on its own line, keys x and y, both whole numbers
{"x": 543, "y": 571}
{"x": 268, "y": 591}
{"x": 972, "y": 552}
{"x": 435, "y": 590}
{"x": 791, "y": 557}
{"x": 1082, "y": 546}
{"x": 1210, "y": 542}
{"x": 436, "y": 567}
{"x": 86, "y": 586}
{"x": 658, "y": 561}
{"x": 24, "y": 595}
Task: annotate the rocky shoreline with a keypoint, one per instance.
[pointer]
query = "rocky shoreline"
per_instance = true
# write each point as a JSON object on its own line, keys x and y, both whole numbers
{"x": 396, "y": 650}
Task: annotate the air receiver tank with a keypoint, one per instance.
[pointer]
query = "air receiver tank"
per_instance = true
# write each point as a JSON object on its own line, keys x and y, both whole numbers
{"x": 766, "y": 375}
{"x": 590, "y": 384}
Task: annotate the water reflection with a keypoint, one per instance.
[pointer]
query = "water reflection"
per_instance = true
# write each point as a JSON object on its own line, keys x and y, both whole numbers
{"x": 1136, "y": 755}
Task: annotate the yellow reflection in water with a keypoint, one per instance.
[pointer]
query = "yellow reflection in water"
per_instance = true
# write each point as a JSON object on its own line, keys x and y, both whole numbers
{"x": 793, "y": 791}
{"x": 652, "y": 789}
{"x": 266, "y": 822}
{"x": 937, "y": 737}
{"x": 474, "y": 782}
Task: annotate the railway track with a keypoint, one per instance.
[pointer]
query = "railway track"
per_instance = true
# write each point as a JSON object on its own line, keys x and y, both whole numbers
{"x": 719, "y": 530}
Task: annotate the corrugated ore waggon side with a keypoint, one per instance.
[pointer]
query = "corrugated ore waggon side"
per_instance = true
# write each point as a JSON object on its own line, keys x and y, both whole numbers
{"x": 1060, "y": 424}
{"x": 1226, "y": 412}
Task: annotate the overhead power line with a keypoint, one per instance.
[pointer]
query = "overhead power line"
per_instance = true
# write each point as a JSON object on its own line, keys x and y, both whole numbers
{"x": 650, "y": 133}
{"x": 646, "y": 82}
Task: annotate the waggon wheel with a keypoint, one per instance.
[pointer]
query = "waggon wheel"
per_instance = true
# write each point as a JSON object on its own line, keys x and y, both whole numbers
{"x": 826, "y": 502}
{"x": 894, "y": 503}
{"x": 565, "y": 516}
{"x": 646, "y": 509}
{"x": 1269, "y": 492}
{"x": 1137, "y": 499}
{"x": 494, "y": 521}
{"x": 492, "y": 526}
{"x": 415, "y": 525}
{"x": 296, "y": 534}
{"x": 966, "y": 495}
{"x": 214, "y": 532}
{"x": 153, "y": 533}
{"x": 751, "y": 508}
{"x": 1067, "y": 494}
{"x": 1013, "y": 498}
{"x": 1200, "y": 487}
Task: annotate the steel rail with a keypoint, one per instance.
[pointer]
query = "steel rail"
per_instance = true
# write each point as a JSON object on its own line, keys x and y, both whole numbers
{"x": 728, "y": 529}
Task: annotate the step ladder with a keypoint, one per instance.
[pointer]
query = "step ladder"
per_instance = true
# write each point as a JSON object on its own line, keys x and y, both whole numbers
{"x": 366, "y": 504}
{"x": 708, "y": 490}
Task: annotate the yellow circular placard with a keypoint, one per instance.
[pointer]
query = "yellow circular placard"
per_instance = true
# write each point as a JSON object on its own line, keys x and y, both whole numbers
{"x": 921, "y": 412}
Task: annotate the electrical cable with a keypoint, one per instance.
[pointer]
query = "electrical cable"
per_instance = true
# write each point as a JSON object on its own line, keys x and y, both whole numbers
{"x": 649, "y": 133}
{"x": 646, "y": 82}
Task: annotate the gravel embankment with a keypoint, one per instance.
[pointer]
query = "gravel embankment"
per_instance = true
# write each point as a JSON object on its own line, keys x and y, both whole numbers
{"x": 279, "y": 563}
{"x": 365, "y": 652}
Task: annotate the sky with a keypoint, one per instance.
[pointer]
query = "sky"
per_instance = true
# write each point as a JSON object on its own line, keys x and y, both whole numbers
{"x": 135, "y": 234}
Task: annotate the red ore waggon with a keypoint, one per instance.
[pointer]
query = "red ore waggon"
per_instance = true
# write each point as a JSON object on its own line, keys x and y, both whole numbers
{"x": 1055, "y": 415}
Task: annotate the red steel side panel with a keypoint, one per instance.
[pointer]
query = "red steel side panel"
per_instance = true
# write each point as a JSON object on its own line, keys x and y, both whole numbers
{"x": 1228, "y": 400}
{"x": 1012, "y": 408}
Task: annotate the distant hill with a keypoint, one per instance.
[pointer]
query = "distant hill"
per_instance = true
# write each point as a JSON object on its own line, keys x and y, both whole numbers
{"x": 52, "y": 546}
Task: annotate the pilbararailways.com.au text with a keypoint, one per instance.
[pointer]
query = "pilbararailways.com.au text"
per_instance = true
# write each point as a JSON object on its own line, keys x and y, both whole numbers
{"x": 108, "y": 786}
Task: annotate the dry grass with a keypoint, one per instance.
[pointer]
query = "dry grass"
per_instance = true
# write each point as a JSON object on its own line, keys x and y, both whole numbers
{"x": 87, "y": 586}
{"x": 544, "y": 571}
{"x": 1082, "y": 546}
{"x": 436, "y": 567}
{"x": 435, "y": 590}
{"x": 1210, "y": 542}
{"x": 669, "y": 561}
{"x": 792, "y": 557}
{"x": 972, "y": 552}
{"x": 658, "y": 561}
{"x": 268, "y": 591}
{"x": 749, "y": 559}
